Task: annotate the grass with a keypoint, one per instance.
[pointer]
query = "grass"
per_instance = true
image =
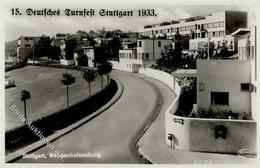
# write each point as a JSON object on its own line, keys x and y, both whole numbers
{"x": 23, "y": 136}
{"x": 47, "y": 92}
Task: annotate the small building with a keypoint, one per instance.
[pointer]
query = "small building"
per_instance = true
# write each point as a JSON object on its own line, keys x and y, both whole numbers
{"x": 61, "y": 36}
{"x": 25, "y": 46}
{"x": 148, "y": 51}
{"x": 224, "y": 85}
{"x": 151, "y": 49}
{"x": 128, "y": 60}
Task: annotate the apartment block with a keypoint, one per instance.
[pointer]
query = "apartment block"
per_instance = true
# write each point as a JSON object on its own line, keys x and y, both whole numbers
{"x": 216, "y": 28}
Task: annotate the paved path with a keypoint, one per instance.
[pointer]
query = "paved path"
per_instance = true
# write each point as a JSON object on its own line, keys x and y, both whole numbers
{"x": 110, "y": 134}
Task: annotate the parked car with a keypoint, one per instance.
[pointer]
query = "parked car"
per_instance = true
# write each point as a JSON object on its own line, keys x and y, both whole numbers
{"x": 9, "y": 84}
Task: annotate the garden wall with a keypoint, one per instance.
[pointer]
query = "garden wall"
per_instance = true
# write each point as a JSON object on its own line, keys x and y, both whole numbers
{"x": 197, "y": 134}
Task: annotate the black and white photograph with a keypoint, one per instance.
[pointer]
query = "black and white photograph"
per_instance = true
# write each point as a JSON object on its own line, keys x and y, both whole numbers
{"x": 130, "y": 83}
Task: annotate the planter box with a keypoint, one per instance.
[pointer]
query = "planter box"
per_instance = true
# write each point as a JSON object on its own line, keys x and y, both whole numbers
{"x": 67, "y": 62}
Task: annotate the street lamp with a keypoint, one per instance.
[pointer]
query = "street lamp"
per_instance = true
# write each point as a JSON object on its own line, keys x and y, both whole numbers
{"x": 208, "y": 47}
{"x": 33, "y": 55}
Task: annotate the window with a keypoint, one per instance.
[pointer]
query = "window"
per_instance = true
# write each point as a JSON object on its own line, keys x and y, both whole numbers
{"x": 130, "y": 55}
{"x": 147, "y": 55}
{"x": 221, "y": 33}
{"x": 27, "y": 45}
{"x": 213, "y": 34}
{"x": 216, "y": 24}
{"x": 159, "y": 43}
{"x": 219, "y": 98}
{"x": 221, "y": 24}
{"x": 209, "y": 25}
{"x": 140, "y": 44}
{"x": 246, "y": 87}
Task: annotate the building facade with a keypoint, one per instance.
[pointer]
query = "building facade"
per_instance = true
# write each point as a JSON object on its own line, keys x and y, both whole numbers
{"x": 151, "y": 49}
{"x": 224, "y": 85}
{"x": 147, "y": 52}
{"x": 247, "y": 50}
{"x": 216, "y": 28}
{"x": 25, "y": 46}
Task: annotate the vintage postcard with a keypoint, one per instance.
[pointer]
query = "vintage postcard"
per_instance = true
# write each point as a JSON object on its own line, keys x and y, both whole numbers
{"x": 91, "y": 83}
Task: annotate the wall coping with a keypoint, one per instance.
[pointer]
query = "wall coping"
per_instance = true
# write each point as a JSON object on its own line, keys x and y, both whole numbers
{"x": 177, "y": 92}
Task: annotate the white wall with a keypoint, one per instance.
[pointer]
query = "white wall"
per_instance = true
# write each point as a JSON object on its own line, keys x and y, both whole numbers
{"x": 151, "y": 46}
{"x": 197, "y": 134}
{"x": 224, "y": 76}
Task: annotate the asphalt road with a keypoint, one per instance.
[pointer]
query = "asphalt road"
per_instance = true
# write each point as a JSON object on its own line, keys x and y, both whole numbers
{"x": 109, "y": 135}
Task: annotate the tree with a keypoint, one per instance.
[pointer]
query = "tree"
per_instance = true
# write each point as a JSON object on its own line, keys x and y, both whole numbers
{"x": 42, "y": 47}
{"x": 101, "y": 70}
{"x": 67, "y": 79}
{"x": 108, "y": 69}
{"x": 89, "y": 75}
{"x": 55, "y": 53}
{"x": 71, "y": 45}
{"x": 25, "y": 95}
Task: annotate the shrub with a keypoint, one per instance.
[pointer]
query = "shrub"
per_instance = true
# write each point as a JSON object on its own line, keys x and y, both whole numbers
{"x": 82, "y": 60}
{"x": 15, "y": 66}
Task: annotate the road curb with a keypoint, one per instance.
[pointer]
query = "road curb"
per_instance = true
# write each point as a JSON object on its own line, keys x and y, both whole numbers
{"x": 39, "y": 144}
{"x": 148, "y": 123}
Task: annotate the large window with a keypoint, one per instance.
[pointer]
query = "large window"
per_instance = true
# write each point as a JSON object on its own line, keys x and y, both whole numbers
{"x": 147, "y": 55}
{"x": 159, "y": 43}
{"x": 140, "y": 43}
{"x": 244, "y": 87}
{"x": 219, "y": 98}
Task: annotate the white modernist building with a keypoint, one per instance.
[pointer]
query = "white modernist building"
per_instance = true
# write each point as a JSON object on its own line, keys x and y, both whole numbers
{"x": 146, "y": 54}
{"x": 247, "y": 50}
{"x": 216, "y": 28}
{"x": 25, "y": 46}
{"x": 223, "y": 86}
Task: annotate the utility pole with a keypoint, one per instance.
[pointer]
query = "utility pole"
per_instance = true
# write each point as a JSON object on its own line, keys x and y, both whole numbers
{"x": 208, "y": 47}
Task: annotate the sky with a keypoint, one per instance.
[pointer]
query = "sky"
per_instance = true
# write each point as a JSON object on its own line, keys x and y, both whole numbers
{"x": 16, "y": 26}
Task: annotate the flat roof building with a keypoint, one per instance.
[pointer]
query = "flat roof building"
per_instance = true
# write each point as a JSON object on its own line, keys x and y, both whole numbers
{"x": 216, "y": 27}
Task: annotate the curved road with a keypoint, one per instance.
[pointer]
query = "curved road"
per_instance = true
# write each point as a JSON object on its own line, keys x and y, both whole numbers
{"x": 110, "y": 134}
